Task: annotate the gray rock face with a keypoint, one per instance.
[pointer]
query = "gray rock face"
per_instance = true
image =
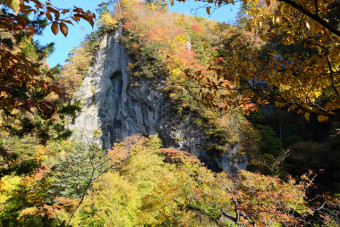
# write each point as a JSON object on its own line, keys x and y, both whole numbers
{"x": 117, "y": 107}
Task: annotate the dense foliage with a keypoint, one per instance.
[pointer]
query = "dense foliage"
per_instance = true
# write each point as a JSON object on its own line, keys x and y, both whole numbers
{"x": 215, "y": 72}
{"x": 299, "y": 61}
{"x": 144, "y": 185}
{"x": 26, "y": 83}
{"x": 29, "y": 95}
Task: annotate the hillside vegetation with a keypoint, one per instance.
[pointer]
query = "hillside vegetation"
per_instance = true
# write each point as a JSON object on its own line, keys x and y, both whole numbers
{"x": 292, "y": 176}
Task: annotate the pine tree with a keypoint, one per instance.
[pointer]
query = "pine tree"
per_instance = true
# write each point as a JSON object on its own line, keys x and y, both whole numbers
{"x": 75, "y": 172}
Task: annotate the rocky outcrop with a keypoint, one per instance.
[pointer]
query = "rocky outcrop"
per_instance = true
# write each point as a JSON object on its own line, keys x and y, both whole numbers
{"x": 117, "y": 105}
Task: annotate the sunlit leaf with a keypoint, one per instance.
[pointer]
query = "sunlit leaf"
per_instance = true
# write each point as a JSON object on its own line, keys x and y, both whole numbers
{"x": 13, "y": 4}
{"x": 63, "y": 29}
{"x": 55, "y": 27}
{"x": 307, "y": 116}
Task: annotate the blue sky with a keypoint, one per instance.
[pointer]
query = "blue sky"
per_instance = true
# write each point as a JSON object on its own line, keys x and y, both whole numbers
{"x": 77, "y": 32}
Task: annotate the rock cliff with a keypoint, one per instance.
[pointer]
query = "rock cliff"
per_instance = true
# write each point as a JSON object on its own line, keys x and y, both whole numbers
{"x": 116, "y": 105}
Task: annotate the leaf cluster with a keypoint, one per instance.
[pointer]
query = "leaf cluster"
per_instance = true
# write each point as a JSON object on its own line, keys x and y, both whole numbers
{"x": 298, "y": 59}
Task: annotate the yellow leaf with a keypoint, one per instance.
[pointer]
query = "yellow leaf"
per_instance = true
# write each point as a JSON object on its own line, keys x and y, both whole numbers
{"x": 322, "y": 118}
{"x": 282, "y": 10}
{"x": 307, "y": 115}
{"x": 277, "y": 19}
{"x": 13, "y": 4}
{"x": 299, "y": 111}
{"x": 172, "y": 2}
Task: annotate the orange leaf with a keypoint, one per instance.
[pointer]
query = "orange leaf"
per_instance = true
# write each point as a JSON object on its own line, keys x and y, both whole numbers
{"x": 65, "y": 11}
{"x": 307, "y": 115}
{"x": 67, "y": 21}
{"x": 56, "y": 13}
{"x": 49, "y": 16}
{"x": 55, "y": 89}
{"x": 208, "y": 10}
{"x": 63, "y": 28}
{"x": 55, "y": 27}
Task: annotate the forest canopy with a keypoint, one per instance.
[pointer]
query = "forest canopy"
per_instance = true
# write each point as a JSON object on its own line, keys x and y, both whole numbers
{"x": 222, "y": 77}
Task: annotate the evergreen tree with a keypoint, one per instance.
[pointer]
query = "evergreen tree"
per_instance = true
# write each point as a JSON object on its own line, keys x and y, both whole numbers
{"x": 76, "y": 171}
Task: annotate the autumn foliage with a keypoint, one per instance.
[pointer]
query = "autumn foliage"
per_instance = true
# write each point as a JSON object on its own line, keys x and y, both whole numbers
{"x": 298, "y": 59}
{"x": 150, "y": 188}
{"x": 214, "y": 72}
{"x": 177, "y": 44}
{"x": 19, "y": 72}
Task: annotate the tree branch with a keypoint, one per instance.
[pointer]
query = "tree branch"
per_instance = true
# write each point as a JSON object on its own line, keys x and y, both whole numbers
{"x": 331, "y": 74}
{"x": 316, "y": 8}
{"x": 315, "y": 17}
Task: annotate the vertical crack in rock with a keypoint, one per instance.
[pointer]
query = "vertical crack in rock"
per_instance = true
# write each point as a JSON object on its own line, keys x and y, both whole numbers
{"x": 108, "y": 112}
